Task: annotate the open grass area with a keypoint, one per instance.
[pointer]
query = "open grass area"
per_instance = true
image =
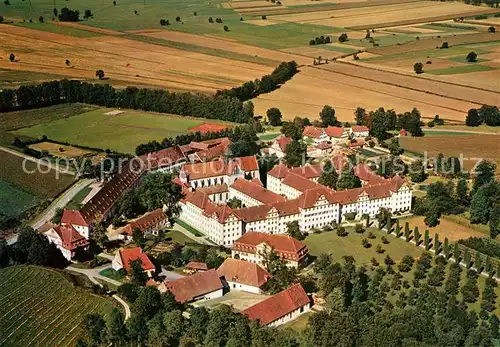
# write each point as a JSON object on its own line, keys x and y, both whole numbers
{"x": 268, "y": 137}
{"x": 300, "y": 323}
{"x": 75, "y": 203}
{"x": 177, "y": 237}
{"x": 460, "y": 69}
{"x": 465, "y": 128}
{"x": 13, "y": 200}
{"x": 27, "y": 176}
{"x": 122, "y": 132}
{"x": 111, "y": 273}
{"x": 188, "y": 228}
{"x": 39, "y": 306}
{"x": 338, "y": 246}
{"x": 19, "y": 119}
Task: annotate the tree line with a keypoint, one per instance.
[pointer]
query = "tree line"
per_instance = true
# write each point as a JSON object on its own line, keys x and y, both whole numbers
{"x": 162, "y": 101}
{"x": 489, "y": 115}
{"x": 266, "y": 84}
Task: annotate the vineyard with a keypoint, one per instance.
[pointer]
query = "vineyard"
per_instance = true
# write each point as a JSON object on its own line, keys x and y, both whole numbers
{"x": 40, "y": 307}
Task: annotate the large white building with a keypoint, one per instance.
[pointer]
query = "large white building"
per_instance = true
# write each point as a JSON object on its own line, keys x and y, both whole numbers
{"x": 293, "y": 195}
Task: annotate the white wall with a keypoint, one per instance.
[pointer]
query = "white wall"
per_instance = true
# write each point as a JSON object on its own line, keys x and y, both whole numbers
{"x": 243, "y": 287}
{"x": 291, "y": 316}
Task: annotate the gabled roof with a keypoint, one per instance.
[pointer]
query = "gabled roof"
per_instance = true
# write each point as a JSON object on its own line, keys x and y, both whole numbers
{"x": 288, "y": 207}
{"x": 217, "y": 189}
{"x": 196, "y": 265}
{"x": 248, "y": 163}
{"x": 70, "y": 238}
{"x": 312, "y": 131}
{"x": 252, "y": 213}
{"x": 309, "y": 198}
{"x": 145, "y": 222}
{"x": 244, "y": 272}
{"x": 280, "y": 243}
{"x": 279, "y": 171}
{"x": 130, "y": 254}
{"x": 298, "y": 182}
{"x": 334, "y": 131}
{"x": 278, "y": 305}
{"x": 164, "y": 157}
{"x": 257, "y": 191}
{"x": 282, "y": 142}
{"x": 206, "y": 127}
{"x": 189, "y": 288}
{"x": 308, "y": 171}
{"x": 74, "y": 217}
{"x": 359, "y": 128}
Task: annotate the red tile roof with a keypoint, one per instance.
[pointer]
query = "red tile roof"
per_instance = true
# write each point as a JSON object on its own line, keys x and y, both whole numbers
{"x": 190, "y": 288}
{"x": 248, "y": 163}
{"x": 287, "y": 208}
{"x": 279, "y": 171}
{"x": 130, "y": 254}
{"x": 165, "y": 157}
{"x": 70, "y": 238}
{"x": 364, "y": 173}
{"x": 283, "y": 141}
{"x": 339, "y": 162}
{"x": 74, "y": 217}
{"x": 244, "y": 272}
{"x": 196, "y": 265}
{"x": 206, "y": 127}
{"x": 334, "y": 131}
{"x": 217, "y": 189}
{"x": 309, "y": 198}
{"x": 312, "y": 131}
{"x": 145, "y": 222}
{"x": 278, "y": 305}
{"x": 298, "y": 182}
{"x": 256, "y": 191}
{"x": 252, "y": 213}
{"x": 308, "y": 171}
{"x": 359, "y": 128}
{"x": 286, "y": 246}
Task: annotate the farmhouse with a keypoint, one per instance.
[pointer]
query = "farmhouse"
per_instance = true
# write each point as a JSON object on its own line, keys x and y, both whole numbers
{"x": 165, "y": 160}
{"x": 243, "y": 275}
{"x": 78, "y": 220}
{"x": 252, "y": 245}
{"x": 150, "y": 223}
{"x": 67, "y": 239}
{"x": 124, "y": 257}
{"x": 359, "y": 131}
{"x": 280, "y": 308}
{"x": 315, "y": 135}
{"x": 195, "y": 266}
{"x": 200, "y": 286}
{"x": 206, "y": 150}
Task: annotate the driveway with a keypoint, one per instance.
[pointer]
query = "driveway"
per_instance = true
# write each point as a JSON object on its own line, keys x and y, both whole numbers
{"x": 170, "y": 275}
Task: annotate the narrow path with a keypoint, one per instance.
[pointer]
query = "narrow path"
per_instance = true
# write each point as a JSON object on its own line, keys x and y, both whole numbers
{"x": 38, "y": 161}
{"x": 92, "y": 274}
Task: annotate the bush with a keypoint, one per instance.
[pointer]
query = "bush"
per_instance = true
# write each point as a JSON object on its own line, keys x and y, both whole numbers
{"x": 380, "y": 249}
{"x": 491, "y": 29}
{"x": 430, "y": 124}
{"x": 128, "y": 291}
{"x": 388, "y": 260}
{"x": 350, "y": 216}
{"x": 384, "y": 240}
{"x": 226, "y": 28}
{"x": 343, "y": 37}
{"x": 359, "y": 229}
{"x": 264, "y": 17}
{"x": 371, "y": 235}
{"x": 471, "y": 57}
{"x": 374, "y": 262}
{"x": 418, "y": 68}
{"x": 177, "y": 19}
{"x": 341, "y": 231}
{"x": 218, "y": 20}
{"x": 444, "y": 45}
{"x": 210, "y": 20}
{"x": 366, "y": 243}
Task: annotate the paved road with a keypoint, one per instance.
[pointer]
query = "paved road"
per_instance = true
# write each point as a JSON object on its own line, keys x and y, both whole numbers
{"x": 40, "y": 162}
{"x": 60, "y": 202}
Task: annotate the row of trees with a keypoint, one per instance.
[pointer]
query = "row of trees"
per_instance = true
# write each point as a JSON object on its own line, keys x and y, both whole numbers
{"x": 65, "y": 91}
{"x": 320, "y": 40}
{"x": 266, "y": 84}
{"x": 489, "y": 115}
{"x": 381, "y": 121}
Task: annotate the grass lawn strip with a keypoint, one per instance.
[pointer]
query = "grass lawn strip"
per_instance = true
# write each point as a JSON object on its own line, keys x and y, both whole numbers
{"x": 189, "y": 228}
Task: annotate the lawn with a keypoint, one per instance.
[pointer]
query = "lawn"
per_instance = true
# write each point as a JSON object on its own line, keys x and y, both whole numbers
{"x": 300, "y": 323}
{"x": 26, "y": 118}
{"x": 188, "y": 228}
{"x": 122, "y": 132}
{"x": 337, "y": 246}
{"x": 75, "y": 203}
{"x": 39, "y": 306}
{"x": 35, "y": 181}
{"x": 13, "y": 200}
{"x": 268, "y": 137}
{"x": 177, "y": 237}
{"x": 111, "y": 273}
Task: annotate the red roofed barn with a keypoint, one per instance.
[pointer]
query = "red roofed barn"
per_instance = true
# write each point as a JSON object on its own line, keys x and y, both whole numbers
{"x": 243, "y": 275}
{"x": 280, "y": 308}
{"x": 204, "y": 285}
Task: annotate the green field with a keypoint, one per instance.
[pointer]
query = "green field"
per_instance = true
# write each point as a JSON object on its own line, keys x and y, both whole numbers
{"x": 177, "y": 237}
{"x": 337, "y": 246}
{"x": 460, "y": 69}
{"x": 58, "y": 29}
{"x": 42, "y": 185}
{"x": 120, "y": 133}
{"x": 75, "y": 203}
{"x": 39, "y": 306}
{"x": 14, "y": 200}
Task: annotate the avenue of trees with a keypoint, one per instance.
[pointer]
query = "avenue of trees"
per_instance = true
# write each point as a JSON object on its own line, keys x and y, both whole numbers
{"x": 67, "y": 15}
{"x": 266, "y": 84}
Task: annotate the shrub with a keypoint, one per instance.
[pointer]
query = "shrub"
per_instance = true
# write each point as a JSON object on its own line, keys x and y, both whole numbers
{"x": 264, "y": 17}
{"x": 312, "y": 43}
{"x": 374, "y": 262}
{"x": 341, "y": 231}
{"x": 40, "y": 19}
{"x": 350, "y": 216}
{"x": 210, "y": 20}
{"x": 359, "y": 229}
{"x": 226, "y": 28}
{"x": 366, "y": 243}
{"x": 491, "y": 29}
{"x": 384, "y": 240}
{"x": 177, "y": 19}
{"x": 241, "y": 19}
{"x": 418, "y": 67}
{"x": 343, "y": 37}
{"x": 380, "y": 249}
{"x": 471, "y": 57}
{"x": 6, "y": 2}
{"x": 406, "y": 263}
{"x": 388, "y": 260}
{"x": 218, "y": 20}
{"x": 430, "y": 124}
{"x": 444, "y": 45}
{"x": 371, "y": 235}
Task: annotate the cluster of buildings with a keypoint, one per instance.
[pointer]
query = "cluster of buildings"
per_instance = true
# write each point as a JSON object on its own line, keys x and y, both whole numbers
{"x": 292, "y": 194}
